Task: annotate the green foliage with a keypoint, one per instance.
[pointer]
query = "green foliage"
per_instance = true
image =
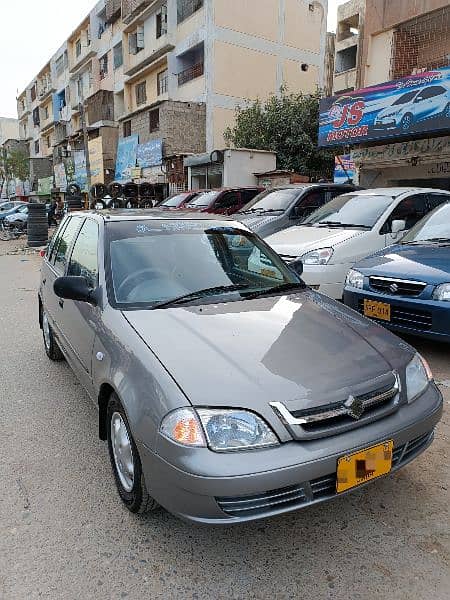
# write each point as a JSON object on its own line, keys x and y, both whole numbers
{"x": 17, "y": 165}
{"x": 287, "y": 124}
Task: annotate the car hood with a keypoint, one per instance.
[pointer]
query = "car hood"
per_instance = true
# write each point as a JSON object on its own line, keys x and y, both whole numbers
{"x": 299, "y": 349}
{"x": 257, "y": 222}
{"x": 425, "y": 262}
{"x": 298, "y": 240}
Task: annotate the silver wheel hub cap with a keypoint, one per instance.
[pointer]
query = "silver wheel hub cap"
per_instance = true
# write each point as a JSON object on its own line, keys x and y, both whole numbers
{"x": 122, "y": 451}
{"x": 46, "y": 330}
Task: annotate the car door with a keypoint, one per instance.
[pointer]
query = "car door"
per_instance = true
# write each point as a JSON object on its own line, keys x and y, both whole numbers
{"x": 55, "y": 266}
{"x": 79, "y": 322}
{"x": 411, "y": 210}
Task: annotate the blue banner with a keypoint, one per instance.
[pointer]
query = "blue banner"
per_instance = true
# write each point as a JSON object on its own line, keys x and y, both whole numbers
{"x": 150, "y": 154}
{"x": 395, "y": 109}
{"x": 126, "y": 157}
{"x": 80, "y": 173}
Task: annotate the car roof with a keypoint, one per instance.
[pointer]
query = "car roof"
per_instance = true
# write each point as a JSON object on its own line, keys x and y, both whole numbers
{"x": 140, "y": 214}
{"x": 394, "y": 192}
{"x": 302, "y": 186}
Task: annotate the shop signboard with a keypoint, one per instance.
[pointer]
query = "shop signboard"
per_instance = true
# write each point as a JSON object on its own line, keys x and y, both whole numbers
{"x": 69, "y": 166}
{"x": 80, "y": 173}
{"x": 344, "y": 169}
{"x": 150, "y": 154}
{"x": 96, "y": 161}
{"x": 126, "y": 157}
{"x": 60, "y": 177}
{"x": 396, "y": 109}
{"x": 45, "y": 186}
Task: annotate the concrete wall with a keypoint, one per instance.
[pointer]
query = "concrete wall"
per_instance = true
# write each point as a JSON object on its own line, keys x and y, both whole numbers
{"x": 9, "y": 129}
{"x": 240, "y": 166}
{"x": 378, "y": 62}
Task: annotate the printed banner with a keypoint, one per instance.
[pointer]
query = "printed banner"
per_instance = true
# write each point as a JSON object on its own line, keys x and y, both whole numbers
{"x": 126, "y": 157}
{"x": 45, "y": 186}
{"x": 150, "y": 154}
{"x": 96, "y": 161}
{"x": 396, "y": 109}
{"x": 344, "y": 169}
{"x": 80, "y": 173}
{"x": 60, "y": 177}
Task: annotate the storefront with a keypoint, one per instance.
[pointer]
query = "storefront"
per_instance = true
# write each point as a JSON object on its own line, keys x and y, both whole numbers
{"x": 398, "y": 131}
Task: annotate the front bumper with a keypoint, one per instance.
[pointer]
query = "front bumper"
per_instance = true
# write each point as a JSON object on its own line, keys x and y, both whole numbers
{"x": 425, "y": 318}
{"x": 327, "y": 279}
{"x": 206, "y": 487}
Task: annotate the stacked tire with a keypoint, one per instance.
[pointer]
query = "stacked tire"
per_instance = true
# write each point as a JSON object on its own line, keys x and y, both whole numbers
{"x": 37, "y": 225}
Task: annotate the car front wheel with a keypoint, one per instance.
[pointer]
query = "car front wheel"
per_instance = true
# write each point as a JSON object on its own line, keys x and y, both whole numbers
{"x": 406, "y": 122}
{"x": 125, "y": 461}
{"x": 52, "y": 349}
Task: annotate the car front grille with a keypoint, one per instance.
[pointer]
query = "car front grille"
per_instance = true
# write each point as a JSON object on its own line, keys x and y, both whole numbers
{"x": 397, "y": 287}
{"x": 310, "y": 492}
{"x": 413, "y": 318}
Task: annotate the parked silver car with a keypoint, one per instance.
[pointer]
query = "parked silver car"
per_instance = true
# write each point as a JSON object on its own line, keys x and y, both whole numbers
{"x": 225, "y": 393}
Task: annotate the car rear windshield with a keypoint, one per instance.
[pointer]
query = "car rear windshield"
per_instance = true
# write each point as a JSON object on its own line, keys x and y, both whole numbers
{"x": 351, "y": 209}
{"x": 435, "y": 226}
{"x": 151, "y": 262}
{"x": 203, "y": 199}
{"x": 272, "y": 200}
{"x": 174, "y": 201}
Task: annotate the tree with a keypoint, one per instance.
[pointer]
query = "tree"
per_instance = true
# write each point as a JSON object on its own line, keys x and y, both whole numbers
{"x": 14, "y": 164}
{"x": 287, "y": 124}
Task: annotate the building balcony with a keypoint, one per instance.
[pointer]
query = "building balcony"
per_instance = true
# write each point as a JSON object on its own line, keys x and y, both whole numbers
{"x": 100, "y": 108}
{"x": 113, "y": 10}
{"x": 144, "y": 59}
{"x": 79, "y": 62}
{"x": 133, "y": 8}
{"x": 191, "y": 73}
{"x": 60, "y": 133}
{"x": 45, "y": 92}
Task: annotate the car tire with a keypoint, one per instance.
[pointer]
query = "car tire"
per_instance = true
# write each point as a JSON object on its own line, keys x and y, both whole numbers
{"x": 406, "y": 122}
{"x": 125, "y": 460}
{"x": 52, "y": 349}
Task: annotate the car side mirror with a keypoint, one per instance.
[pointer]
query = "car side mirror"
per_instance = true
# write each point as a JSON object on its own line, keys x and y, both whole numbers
{"x": 397, "y": 226}
{"x": 74, "y": 288}
{"x": 297, "y": 267}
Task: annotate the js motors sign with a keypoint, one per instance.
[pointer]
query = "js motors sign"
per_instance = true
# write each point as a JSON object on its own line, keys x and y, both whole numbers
{"x": 395, "y": 109}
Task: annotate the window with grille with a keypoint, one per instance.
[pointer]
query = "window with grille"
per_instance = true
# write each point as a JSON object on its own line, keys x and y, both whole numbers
{"x": 59, "y": 65}
{"x": 33, "y": 93}
{"x": 161, "y": 21}
{"x": 154, "y": 120}
{"x": 118, "y": 55}
{"x": 126, "y": 128}
{"x": 78, "y": 48}
{"x": 141, "y": 93}
{"x": 48, "y": 141}
{"x": 186, "y": 8}
{"x": 163, "y": 80}
{"x": 36, "y": 147}
{"x": 103, "y": 66}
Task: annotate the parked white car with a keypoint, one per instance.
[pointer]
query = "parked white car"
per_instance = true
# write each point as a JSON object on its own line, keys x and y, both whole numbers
{"x": 350, "y": 227}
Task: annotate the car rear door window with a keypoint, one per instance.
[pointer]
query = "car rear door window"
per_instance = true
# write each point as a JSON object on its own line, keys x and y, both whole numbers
{"x": 248, "y": 195}
{"x": 228, "y": 200}
{"x": 84, "y": 259}
{"x": 435, "y": 200}
{"x": 61, "y": 254}
{"x": 310, "y": 202}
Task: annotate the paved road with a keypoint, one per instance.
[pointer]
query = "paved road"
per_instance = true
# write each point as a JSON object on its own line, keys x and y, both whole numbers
{"x": 64, "y": 534}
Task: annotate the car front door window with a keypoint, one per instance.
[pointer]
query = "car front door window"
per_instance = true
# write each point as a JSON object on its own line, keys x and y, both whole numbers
{"x": 227, "y": 201}
{"x": 61, "y": 255}
{"x": 84, "y": 260}
{"x": 410, "y": 210}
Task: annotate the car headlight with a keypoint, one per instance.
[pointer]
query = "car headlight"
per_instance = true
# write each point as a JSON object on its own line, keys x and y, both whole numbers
{"x": 317, "y": 257}
{"x": 221, "y": 429}
{"x": 355, "y": 279}
{"x": 418, "y": 376}
{"x": 442, "y": 292}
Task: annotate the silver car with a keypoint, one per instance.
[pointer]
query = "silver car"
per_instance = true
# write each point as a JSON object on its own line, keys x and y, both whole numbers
{"x": 225, "y": 393}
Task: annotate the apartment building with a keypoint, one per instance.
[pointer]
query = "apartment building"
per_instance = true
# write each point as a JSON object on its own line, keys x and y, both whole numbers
{"x": 169, "y": 70}
{"x": 379, "y": 41}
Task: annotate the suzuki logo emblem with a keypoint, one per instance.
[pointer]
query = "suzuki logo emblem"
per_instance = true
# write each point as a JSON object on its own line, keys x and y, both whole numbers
{"x": 393, "y": 288}
{"x": 355, "y": 407}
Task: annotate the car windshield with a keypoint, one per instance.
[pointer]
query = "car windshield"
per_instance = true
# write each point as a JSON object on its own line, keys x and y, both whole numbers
{"x": 204, "y": 199}
{"x": 275, "y": 200}
{"x": 23, "y": 209}
{"x": 350, "y": 210}
{"x": 154, "y": 262}
{"x": 434, "y": 227}
{"x": 405, "y": 98}
{"x": 174, "y": 201}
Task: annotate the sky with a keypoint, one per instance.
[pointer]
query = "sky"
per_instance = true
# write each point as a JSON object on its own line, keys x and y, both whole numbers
{"x": 35, "y": 29}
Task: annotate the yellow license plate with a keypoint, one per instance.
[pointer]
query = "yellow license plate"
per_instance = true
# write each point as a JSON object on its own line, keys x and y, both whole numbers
{"x": 377, "y": 310}
{"x": 355, "y": 469}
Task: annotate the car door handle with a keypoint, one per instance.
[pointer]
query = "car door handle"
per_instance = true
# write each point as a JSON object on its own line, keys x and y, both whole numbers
{"x": 61, "y": 303}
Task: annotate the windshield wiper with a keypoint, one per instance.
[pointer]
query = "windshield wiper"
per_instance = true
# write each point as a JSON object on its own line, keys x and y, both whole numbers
{"x": 283, "y": 287}
{"x": 218, "y": 289}
{"x": 442, "y": 240}
{"x": 338, "y": 224}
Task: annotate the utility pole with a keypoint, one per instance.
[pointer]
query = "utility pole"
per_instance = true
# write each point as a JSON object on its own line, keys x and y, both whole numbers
{"x": 85, "y": 141}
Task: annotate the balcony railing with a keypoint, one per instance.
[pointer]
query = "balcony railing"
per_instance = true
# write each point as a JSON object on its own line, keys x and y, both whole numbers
{"x": 60, "y": 132}
{"x": 131, "y": 8}
{"x": 100, "y": 107}
{"x": 191, "y": 73}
